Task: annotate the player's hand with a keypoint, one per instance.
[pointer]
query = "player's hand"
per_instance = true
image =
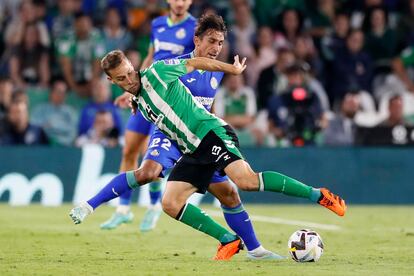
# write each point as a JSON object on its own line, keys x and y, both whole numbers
{"x": 133, "y": 105}
{"x": 123, "y": 100}
{"x": 239, "y": 67}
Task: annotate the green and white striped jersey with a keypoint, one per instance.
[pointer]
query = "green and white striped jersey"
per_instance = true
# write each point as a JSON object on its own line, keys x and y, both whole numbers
{"x": 165, "y": 101}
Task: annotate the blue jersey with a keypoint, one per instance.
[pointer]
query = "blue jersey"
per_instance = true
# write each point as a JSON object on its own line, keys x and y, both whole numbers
{"x": 203, "y": 85}
{"x": 171, "y": 40}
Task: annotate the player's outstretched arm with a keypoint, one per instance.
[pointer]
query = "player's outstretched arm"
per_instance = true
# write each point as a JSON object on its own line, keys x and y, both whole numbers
{"x": 208, "y": 64}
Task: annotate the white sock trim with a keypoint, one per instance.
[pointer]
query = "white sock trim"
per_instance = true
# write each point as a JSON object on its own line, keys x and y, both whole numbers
{"x": 259, "y": 251}
{"x": 261, "y": 184}
{"x": 87, "y": 207}
{"x": 182, "y": 213}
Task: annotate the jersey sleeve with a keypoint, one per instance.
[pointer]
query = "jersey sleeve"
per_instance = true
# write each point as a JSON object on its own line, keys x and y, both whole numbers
{"x": 169, "y": 70}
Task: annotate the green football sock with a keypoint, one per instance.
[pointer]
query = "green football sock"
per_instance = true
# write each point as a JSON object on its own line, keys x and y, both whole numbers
{"x": 198, "y": 219}
{"x": 277, "y": 182}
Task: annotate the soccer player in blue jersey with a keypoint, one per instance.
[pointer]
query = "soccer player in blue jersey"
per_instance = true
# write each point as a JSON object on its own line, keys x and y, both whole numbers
{"x": 171, "y": 36}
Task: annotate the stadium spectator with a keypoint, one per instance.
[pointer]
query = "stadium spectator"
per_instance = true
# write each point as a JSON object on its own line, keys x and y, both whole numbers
{"x": 395, "y": 113}
{"x": 29, "y": 62}
{"x": 290, "y": 26}
{"x": 6, "y": 91}
{"x": 63, "y": 22}
{"x": 342, "y": 128}
{"x": 335, "y": 40}
{"x": 272, "y": 79}
{"x": 380, "y": 41}
{"x": 321, "y": 19}
{"x": 265, "y": 55}
{"x": 115, "y": 36}
{"x": 16, "y": 128}
{"x": 351, "y": 67}
{"x": 403, "y": 67}
{"x": 235, "y": 102}
{"x": 101, "y": 100}
{"x": 242, "y": 32}
{"x": 103, "y": 131}
{"x": 79, "y": 53}
{"x": 58, "y": 119}
{"x": 15, "y": 30}
{"x": 296, "y": 114}
{"x": 305, "y": 52}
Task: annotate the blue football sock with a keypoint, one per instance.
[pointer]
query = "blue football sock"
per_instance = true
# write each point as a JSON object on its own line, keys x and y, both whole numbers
{"x": 238, "y": 220}
{"x": 125, "y": 198}
{"x": 155, "y": 191}
{"x": 117, "y": 186}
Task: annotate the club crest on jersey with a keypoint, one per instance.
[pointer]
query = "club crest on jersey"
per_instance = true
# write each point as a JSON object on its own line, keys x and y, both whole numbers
{"x": 229, "y": 144}
{"x": 155, "y": 153}
{"x": 180, "y": 34}
{"x": 172, "y": 61}
{"x": 213, "y": 83}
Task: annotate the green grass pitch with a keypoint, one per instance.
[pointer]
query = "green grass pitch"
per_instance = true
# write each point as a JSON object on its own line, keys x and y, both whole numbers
{"x": 35, "y": 240}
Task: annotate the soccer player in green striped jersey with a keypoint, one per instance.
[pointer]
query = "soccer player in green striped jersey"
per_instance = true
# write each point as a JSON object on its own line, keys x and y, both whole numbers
{"x": 207, "y": 142}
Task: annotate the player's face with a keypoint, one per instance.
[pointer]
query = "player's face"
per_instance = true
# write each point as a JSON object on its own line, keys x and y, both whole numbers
{"x": 210, "y": 44}
{"x": 179, "y": 7}
{"x": 125, "y": 77}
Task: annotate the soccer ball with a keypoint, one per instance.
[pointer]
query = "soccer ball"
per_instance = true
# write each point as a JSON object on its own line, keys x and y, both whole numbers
{"x": 305, "y": 246}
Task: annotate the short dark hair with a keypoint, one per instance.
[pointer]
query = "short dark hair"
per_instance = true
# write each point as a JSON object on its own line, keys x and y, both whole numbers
{"x": 210, "y": 22}
{"x": 112, "y": 60}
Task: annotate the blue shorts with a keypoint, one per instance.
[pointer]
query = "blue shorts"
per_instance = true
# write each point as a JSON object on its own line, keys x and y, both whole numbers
{"x": 166, "y": 152}
{"x": 137, "y": 123}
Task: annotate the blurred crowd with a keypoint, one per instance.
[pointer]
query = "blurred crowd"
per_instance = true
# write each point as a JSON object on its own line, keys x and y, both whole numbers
{"x": 320, "y": 72}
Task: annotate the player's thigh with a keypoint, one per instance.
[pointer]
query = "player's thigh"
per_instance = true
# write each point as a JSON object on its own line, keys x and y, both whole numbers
{"x": 242, "y": 175}
{"x": 188, "y": 169}
{"x": 162, "y": 151}
{"x": 225, "y": 192}
{"x": 175, "y": 196}
{"x": 135, "y": 144}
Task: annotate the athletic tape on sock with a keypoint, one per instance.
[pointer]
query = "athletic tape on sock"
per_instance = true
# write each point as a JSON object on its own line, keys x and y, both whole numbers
{"x": 132, "y": 182}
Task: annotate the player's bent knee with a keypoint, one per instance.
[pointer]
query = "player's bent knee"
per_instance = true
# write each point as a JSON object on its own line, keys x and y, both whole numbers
{"x": 231, "y": 198}
{"x": 144, "y": 176}
{"x": 170, "y": 206}
{"x": 248, "y": 183}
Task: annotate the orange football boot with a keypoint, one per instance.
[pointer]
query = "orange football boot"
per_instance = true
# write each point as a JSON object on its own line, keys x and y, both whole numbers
{"x": 228, "y": 250}
{"x": 332, "y": 202}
